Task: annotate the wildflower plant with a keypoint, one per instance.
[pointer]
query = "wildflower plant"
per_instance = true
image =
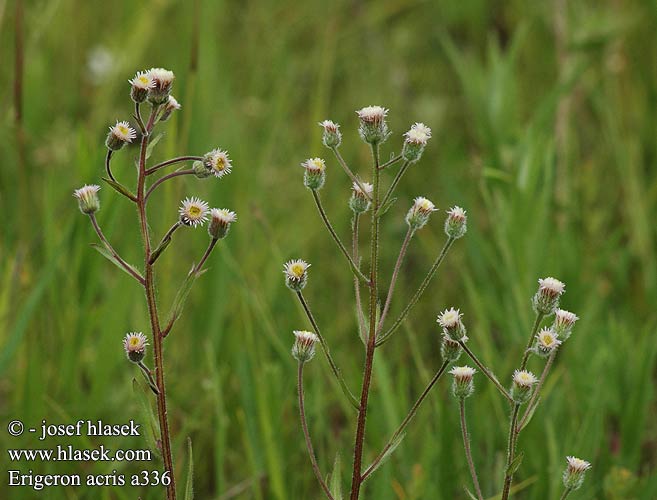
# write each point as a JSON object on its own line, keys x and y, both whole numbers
{"x": 152, "y": 88}
{"x": 369, "y": 199}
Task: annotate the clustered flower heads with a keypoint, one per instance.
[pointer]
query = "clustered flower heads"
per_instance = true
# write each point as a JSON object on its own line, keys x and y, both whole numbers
{"x": 360, "y": 197}
{"x": 450, "y": 320}
{"x": 193, "y": 212}
{"x": 456, "y": 223}
{"x": 296, "y": 274}
{"x": 220, "y": 221}
{"x": 462, "y": 385}
{"x": 216, "y": 163}
{"x": 418, "y": 215}
{"x": 573, "y": 476}
{"x": 120, "y": 135}
{"x": 415, "y": 141}
{"x": 315, "y": 173}
{"x": 547, "y": 342}
{"x": 162, "y": 84}
{"x": 563, "y": 323}
{"x": 303, "y": 349}
{"x": 87, "y": 197}
{"x": 331, "y": 136}
{"x": 134, "y": 345}
{"x": 373, "y": 128}
{"x": 546, "y": 299}
{"x": 523, "y": 383}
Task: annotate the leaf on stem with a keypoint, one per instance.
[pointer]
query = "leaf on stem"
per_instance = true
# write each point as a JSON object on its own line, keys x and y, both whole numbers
{"x": 335, "y": 480}
{"x": 181, "y": 296}
{"x": 108, "y": 255}
{"x": 121, "y": 189}
{"x": 530, "y": 413}
{"x": 189, "y": 485}
{"x": 513, "y": 466}
{"x": 470, "y": 494}
{"x": 382, "y": 210}
{"x": 391, "y": 449}
{"x": 143, "y": 395}
{"x": 161, "y": 248}
{"x": 152, "y": 143}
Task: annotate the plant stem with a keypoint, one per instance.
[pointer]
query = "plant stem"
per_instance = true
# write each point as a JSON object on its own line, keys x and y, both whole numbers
{"x": 140, "y": 122}
{"x": 468, "y": 452}
{"x": 166, "y": 178}
{"x": 356, "y": 479}
{"x": 486, "y": 371}
{"x": 166, "y": 239}
{"x": 425, "y": 283}
{"x": 114, "y": 253}
{"x": 336, "y": 238}
{"x": 359, "y": 307}
{"x": 390, "y": 162}
{"x": 566, "y": 492}
{"x": 395, "y": 181}
{"x": 348, "y": 171}
{"x": 108, "y": 169}
{"x": 395, "y": 274}
{"x": 407, "y": 420}
{"x": 306, "y": 434}
{"x": 172, "y": 161}
{"x": 336, "y": 371}
{"x": 511, "y": 451}
{"x": 535, "y": 326}
{"x": 533, "y": 400}
{"x": 149, "y": 287}
{"x": 208, "y": 251}
{"x": 149, "y": 376}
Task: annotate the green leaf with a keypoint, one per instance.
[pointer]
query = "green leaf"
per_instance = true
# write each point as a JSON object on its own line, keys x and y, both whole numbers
{"x": 382, "y": 210}
{"x": 530, "y": 414}
{"x": 144, "y": 396}
{"x": 470, "y": 494}
{"x": 335, "y": 482}
{"x": 121, "y": 189}
{"x": 152, "y": 143}
{"x": 189, "y": 486}
{"x": 513, "y": 466}
{"x": 108, "y": 255}
{"x": 181, "y": 296}
{"x": 389, "y": 451}
{"x": 161, "y": 248}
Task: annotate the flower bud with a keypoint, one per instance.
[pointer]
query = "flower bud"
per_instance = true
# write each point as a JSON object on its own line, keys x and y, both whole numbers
{"x": 296, "y": 274}
{"x": 315, "y": 173}
{"x": 171, "y": 106}
{"x": 303, "y": 349}
{"x": 456, "y": 223}
{"x": 462, "y": 385}
{"x": 373, "y": 128}
{"x": 521, "y": 389}
{"x": 162, "y": 83}
{"x": 200, "y": 170}
{"x": 451, "y": 350}
{"x": 360, "y": 198}
{"x": 119, "y": 135}
{"x": 134, "y": 345}
{"x": 331, "y": 136}
{"x": 546, "y": 342}
{"x": 220, "y": 221}
{"x": 450, "y": 320}
{"x": 217, "y": 162}
{"x": 415, "y": 141}
{"x": 563, "y": 323}
{"x": 87, "y": 197}
{"x": 418, "y": 215}
{"x": 193, "y": 212}
{"x": 140, "y": 85}
{"x": 546, "y": 299}
{"x": 573, "y": 476}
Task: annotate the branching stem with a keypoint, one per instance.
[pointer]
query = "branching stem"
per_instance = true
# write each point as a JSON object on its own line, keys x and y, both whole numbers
{"x": 348, "y": 171}
{"x": 172, "y": 161}
{"x": 164, "y": 179}
{"x": 468, "y": 451}
{"x": 486, "y": 371}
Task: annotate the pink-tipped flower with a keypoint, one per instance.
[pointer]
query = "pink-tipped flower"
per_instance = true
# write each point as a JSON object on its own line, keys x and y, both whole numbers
{"x": 331, "y": 136}
{"x": 360, "y": 197}
{"x": 456, "y": 223}
{"x": 217, "y": 162}
{"x": 87, "y": 197}
{"x": 303, "y": 349}
{"x": 162, "y": 84}
{"x": 134, "y": 345}
{"x": 418, "y": 215}
{"x": 193, "y": 212}
{"x": 450, "y": 321}
{"x": 171, "y": 105}
{"x": 315, "y": 173}
{"x": 296, "y": 274}
{"x": 119, "y": 135}
{"x": 563, "y": 323}
{"x": 546, "y": 299}
{"x": 140, "y": 85}
{"x": 523, "y": 382}
{"x": 220, "y": 221}
{"x": 462, "y": 386}
{"x": 415, "y": 140}
{"x": 373, "y": 128}
{"x": 573, "y": 476}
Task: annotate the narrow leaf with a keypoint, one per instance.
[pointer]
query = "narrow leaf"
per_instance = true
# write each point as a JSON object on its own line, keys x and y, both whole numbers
{"x": 470, "y": 494}
{"x": 513, "y": 466}
{"x": 530, "y": 414}
{"x": 335, "y": 483}
{"x": 108, "y": 255}
{"x": 148, "y": 416}
{"x": 388, "y": 452}
{"x": 181, "y": 296}
{"x": 121, "y": 189}
{"x": 189, "y": 486}
{"x": 382, "y": 210}
{"x": 161, "y": 248}
{"x": 152, "y": 143}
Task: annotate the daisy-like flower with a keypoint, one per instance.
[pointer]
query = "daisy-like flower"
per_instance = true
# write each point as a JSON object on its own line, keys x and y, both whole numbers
{"x": 140, "y": 85}
{"x": 450, "y": 321}
{"x": 315, "y": 173}
{"x": 546, "y": 342}
{"x": 373, "y": 128}
{"x": 220, "y": 221}
{"x": 303, "y": 349}
{"x": 218, "y": 162}
{"x": 331, "y": 136}
{"x": 119, "y": 135}
{"x": 162, "y": 83}
{"x": 546, "y": 299}
{"x": 418, "y": 214}
{"x": 171, "y": 106}
{"x": 419, "y": 133}
{"x": 563, "y": 323}
{"x": 456, "y": 223}
{"x": 523, "y": 382}
{"x": 296, "y": 274}
{"x": 134, "y": 345}
{"x": 462, "y": 386}
{"x": 193, "y": 212}
{"x": 87, "y": 197}
{"x": 360, "y": 197}
{"x": 573, "y": 476}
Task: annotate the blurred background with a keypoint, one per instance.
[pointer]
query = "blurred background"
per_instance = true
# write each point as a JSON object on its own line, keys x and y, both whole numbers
{"x": 543, "y": 116}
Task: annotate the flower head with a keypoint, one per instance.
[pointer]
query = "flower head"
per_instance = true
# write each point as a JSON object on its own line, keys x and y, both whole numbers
{"x": 140, "y": 85}
{"x": 171, "y": 105}
{"x": 217, "y": 162}
{"x": 220, "y": 221}
{"x": 415, "y": 141}
{"x": 134, "y": 344}
{"x": 573, "y": 476}
{"x": 546, "y": 342}
{"x": 418, "y": 214}
{"x": 462, "y": 386}
{"x": 315, "y": 173}
{"x": 546, "y": 299}
{"x": 163, "y": 82}
{"x": 303, "y": 349}
{"x": 563, "y": 323}
{"x": 450, "y": 349}
{"x": 331, "y": 136}
{"x": 373, "y": 128}
{"x": 296, "y": 274}
{"x": 450, "y": 321}
{"x": 361, "y": 195}
{"x": 87, "y": 197}
{"x": 119, "y": 135}
{"x": 523, "y": 382}
{"x": 193, "y": 212}
{"x": 456, "y": 223}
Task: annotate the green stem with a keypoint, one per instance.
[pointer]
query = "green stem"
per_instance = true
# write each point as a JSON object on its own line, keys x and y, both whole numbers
{"x": 535, "y": 395}
{"x": 359, "y": 307}
{"x": 486, "y": 371}
{"x": 535, "y": 326}
{"x": 390, "y": 162}
{"x": 348, "y": 171}
{"x": 166, "y": 239}
{"x": 566, "y": 492}
{"x": 166, "y": 178}
{"x": 468, "y": 451}
{"x": 395, "y": 181}
{"x": 108, "y": 168}
{"x": 208, "y": 251}
{"x": 172, "y": 161}
{"x": 511, "y": 451}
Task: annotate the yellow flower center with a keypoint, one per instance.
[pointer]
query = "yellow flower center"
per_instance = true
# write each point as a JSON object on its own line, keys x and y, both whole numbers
{"x": 144, "y": 79}
{"x": 134, "y": 342}
{"x": 297, "y": 270}
{"x": 194, "y": 211}
{"x": 219, "y": 164}
{"x": 123, "y": 129}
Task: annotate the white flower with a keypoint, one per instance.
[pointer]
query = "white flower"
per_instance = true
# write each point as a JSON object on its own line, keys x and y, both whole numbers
{"x": 314, "y": 165}
{"x": 87, "y": 197}
{"x": 303, "y": 349}
{"x": 463, "y": 373}
{"x": 524, "y": 379}
{"x": 123, "y": 132}
{"x": 295, "y": 269}
{"x": 365, "y": 192}
{"x": 423, "y": 205}
{"x": 329, "y": 126}
{"x": 456, "y": 213}
{"x": 372, "y": 114}
{"x": 134, "y": 344}
{"x": 218, "y": 162}
{"x": 142, "y": 80}
{"x": 577, "y": 464}
{"x": 547, "y": 341}
{"x": 162, "y": 78}
{"x": 193, "y": 212}
{"x": 449, "y": 318}
{"x": 551, "y": 287}
{"x": 418, "y": 134}
{"x": 172, "y": 103}
{"x": 223, "y": 215}
{"x": 564, "y": 319}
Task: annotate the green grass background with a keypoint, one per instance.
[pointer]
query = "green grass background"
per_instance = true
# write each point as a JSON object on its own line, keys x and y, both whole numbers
{"x": 544, "y": 130}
